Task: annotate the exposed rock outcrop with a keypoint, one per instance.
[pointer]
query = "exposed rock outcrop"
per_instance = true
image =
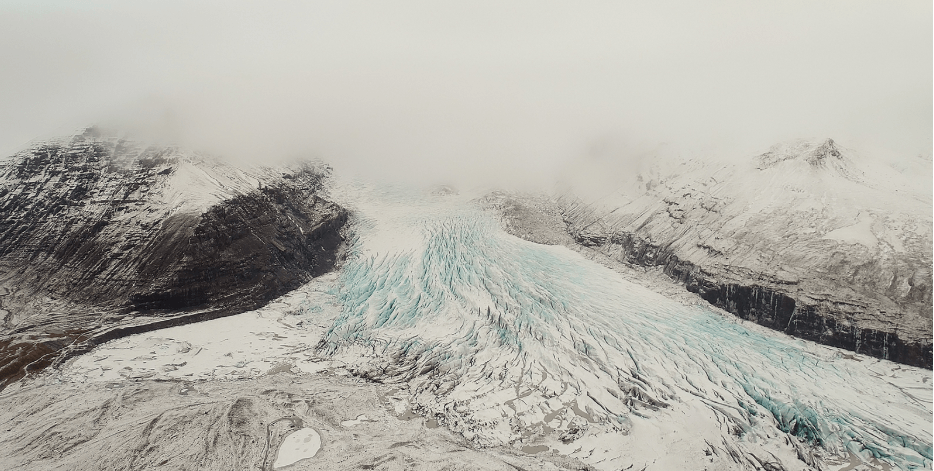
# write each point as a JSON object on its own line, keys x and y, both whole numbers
{"x": 101, "y": 237}
{"x": 806, "y": 239}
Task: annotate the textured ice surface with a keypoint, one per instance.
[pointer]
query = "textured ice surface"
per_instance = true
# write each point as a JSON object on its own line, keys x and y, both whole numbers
{"x": 508, "y": 341}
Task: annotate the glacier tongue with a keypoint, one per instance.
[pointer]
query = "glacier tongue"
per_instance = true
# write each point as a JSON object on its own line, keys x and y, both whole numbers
{"x": 506, "y": 341}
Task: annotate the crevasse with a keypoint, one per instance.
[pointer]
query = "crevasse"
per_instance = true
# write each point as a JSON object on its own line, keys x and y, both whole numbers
{"x": 497, "y": 335}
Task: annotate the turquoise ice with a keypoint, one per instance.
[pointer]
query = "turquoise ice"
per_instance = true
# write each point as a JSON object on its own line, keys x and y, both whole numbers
{"x": 434, "y": 288}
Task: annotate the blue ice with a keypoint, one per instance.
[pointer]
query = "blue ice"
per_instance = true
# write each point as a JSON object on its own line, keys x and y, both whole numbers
{"x": 456, "y": 286}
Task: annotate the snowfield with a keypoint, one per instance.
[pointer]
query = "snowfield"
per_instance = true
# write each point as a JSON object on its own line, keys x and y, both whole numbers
{"x": 512, "y": 343}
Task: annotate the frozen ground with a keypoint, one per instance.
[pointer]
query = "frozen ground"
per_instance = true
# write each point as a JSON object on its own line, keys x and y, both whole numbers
{"x": 231, "y": 425}
{"x": 511, "y": 343}
{"x": 280, "y": 337}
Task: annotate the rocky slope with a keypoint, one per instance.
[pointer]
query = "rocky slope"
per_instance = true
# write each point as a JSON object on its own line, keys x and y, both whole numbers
{"x": 101, "y": 237}
{"x": 808, "y": 238}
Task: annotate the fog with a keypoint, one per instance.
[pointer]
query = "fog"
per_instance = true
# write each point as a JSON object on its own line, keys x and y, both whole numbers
{"x": 502, "y": 92}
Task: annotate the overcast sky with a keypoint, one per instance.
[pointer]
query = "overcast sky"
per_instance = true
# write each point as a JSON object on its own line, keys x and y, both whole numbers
{"x": 445, "y": 88}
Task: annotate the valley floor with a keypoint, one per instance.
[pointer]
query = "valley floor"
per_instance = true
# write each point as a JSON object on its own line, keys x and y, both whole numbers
{"x": 444, "y": 341}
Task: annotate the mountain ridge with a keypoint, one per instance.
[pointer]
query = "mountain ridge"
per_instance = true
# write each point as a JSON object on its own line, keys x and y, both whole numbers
{"x": 813, "y": 244}
{"x": 99, "y": 231}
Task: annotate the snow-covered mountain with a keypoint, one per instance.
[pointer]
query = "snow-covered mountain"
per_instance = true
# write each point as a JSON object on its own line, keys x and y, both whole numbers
{"x": 544, "y": 358}
{"x": 444, "y": 341}
{"x": 100, "y": 233}
{"x": 808, "y": 238}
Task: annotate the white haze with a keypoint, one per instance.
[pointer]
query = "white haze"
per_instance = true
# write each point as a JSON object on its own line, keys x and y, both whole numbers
{"x": 466, "y": 92}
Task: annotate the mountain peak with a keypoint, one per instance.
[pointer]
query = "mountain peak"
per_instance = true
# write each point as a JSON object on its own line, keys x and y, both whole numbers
{"x": 826, "y": 150}
{"x": 819, "y": 154}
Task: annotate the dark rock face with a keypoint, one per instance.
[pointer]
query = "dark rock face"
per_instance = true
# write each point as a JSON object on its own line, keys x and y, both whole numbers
{"x": 97, "y": 232}
{"x": 808, "y": 238}
{"x": 824, "y": 321}
{"x": 803, "y": 239}
{"x": 243, "y": 252}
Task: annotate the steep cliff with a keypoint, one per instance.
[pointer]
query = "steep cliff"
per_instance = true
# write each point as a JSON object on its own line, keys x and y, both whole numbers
{"x": 809, "y": 238}
{"x": 101, "y": 237}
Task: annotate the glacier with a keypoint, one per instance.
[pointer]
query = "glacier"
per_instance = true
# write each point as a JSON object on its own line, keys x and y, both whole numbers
{"x": 531, "y": 350}
{"x": 510, "y": 342}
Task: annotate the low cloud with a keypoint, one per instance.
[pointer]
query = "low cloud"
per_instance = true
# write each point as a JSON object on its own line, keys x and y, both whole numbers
{"x": 473, "y": 92}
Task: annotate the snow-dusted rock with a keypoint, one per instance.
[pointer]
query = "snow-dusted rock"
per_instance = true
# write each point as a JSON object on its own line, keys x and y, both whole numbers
{"x": 101, "y": 236}
{"x": 808, "y": 238}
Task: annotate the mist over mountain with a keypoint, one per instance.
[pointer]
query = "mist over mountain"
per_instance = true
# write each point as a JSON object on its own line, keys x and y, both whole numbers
{"x": 470, "y": 94}
{"x": 484, "y": 235}
{"x": 103, "y": 237}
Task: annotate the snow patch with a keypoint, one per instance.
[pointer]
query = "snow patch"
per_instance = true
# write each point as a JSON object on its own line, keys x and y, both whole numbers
{"x": 359, "y": 420}
{"x": 859, "y": 233}
{"x": 298, "y": 445}
{"x": 278, "y": 338}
